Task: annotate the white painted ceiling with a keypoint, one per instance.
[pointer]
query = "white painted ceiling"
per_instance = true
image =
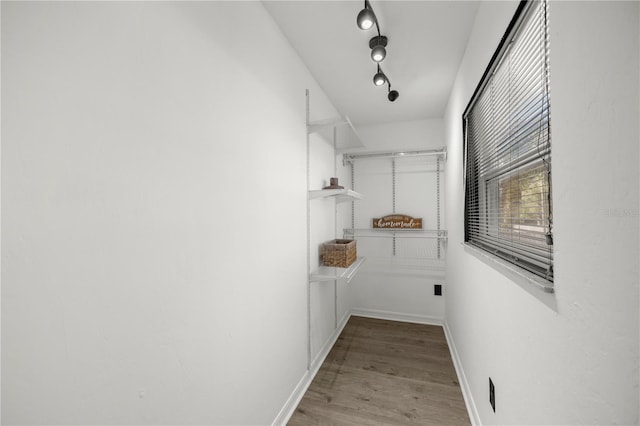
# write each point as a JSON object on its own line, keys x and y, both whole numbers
{"x": 427, "y": 40}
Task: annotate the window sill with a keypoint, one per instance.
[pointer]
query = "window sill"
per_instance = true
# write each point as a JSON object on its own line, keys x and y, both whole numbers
{"x": 538, "y": 287}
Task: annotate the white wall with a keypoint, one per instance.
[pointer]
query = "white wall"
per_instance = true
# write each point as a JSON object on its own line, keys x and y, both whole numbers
{"x": 398, "y": 287}
{"x": 570, "y": 358}
{"x": 402, "y": 135}
{"x": 153, "y": 215}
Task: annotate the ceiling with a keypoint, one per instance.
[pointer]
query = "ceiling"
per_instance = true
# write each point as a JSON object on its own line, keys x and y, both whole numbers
{"x": 427, "y": 40}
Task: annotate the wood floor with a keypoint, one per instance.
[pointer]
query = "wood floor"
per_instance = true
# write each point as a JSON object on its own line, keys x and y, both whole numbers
{"x": 385, "y": 372}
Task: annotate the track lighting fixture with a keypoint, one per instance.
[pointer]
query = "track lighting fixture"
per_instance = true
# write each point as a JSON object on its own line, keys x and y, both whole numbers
{"x": 366, "y": 19}
{"x": 379, "y": 79}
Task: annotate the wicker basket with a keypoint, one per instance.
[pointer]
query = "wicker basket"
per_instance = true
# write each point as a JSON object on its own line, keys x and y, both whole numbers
{"x": 339, "y": 253}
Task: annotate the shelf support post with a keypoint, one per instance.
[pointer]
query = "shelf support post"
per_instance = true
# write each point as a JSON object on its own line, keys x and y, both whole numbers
{"x": 438, "y": 200}
{"x": 308, "y": 238}
{"x": 393, "y": 190}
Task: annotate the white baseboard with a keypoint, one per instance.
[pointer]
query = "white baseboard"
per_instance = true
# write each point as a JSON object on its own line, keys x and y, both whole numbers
{"x": 396, "y": 316}
{"x": 298, "y": 392}
{"x": 462, "y": 378}
{"x": 322, "y": 354}
{"x": 294, "y": 399}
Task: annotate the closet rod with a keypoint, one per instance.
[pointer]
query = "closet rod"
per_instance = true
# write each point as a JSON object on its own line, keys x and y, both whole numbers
{"x": 350, "y": 158}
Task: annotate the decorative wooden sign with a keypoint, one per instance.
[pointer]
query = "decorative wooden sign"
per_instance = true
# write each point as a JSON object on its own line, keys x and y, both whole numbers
{"x": 397, "y": 221}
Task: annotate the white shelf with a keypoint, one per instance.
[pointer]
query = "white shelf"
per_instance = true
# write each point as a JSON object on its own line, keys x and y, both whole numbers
{"x": 407, "y": 267}
{"x": 440, "y": 153}
{"x": 396, "y": 233}
{"x": 346, "y": 135}
{"x": 339, "y": 194}
{"x": 328, "y": 273}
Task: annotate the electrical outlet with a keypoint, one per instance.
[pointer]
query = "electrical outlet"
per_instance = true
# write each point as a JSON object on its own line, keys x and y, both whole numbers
{"x": 437, "y": 289}
{"x": 492, "y": 395}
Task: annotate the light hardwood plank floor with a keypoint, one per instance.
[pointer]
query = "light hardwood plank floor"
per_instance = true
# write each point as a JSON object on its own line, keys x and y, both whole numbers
{"x": 385, "y": 373}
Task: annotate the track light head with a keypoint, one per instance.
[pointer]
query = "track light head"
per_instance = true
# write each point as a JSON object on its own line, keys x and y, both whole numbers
{"x": 393, "y": 94}
{"x": 366, "y": 19}
{"x": 377, "y": 45}
{"x": 379, "y": 79}
{"x": 378, "y": 53}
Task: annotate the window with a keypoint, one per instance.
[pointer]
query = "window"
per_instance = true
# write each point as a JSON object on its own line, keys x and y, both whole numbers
{"x": 507, "y": 136}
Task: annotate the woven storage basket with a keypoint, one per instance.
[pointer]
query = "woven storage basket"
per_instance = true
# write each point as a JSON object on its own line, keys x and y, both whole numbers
{"x": 339, "y": 253}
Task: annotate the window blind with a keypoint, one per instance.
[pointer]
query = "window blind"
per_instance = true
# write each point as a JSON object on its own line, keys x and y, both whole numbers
{"x": 508, "y": 209}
